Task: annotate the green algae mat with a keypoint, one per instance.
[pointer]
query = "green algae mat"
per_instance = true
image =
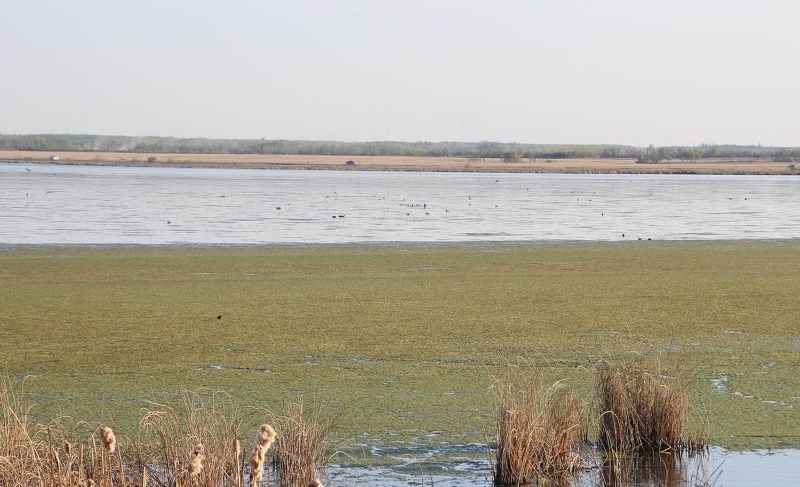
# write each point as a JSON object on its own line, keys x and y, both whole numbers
{"x": 403, "y": 343}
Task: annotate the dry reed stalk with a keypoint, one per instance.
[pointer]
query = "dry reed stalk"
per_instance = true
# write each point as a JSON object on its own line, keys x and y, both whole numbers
{"x": 641, "y": 409}
{"x": 36, "y": 454}
{"x": 168, "y": 434}
{"x": 237, "y": 469}
{"x": 538, "y": 431}
{"x": 301, "y": 444}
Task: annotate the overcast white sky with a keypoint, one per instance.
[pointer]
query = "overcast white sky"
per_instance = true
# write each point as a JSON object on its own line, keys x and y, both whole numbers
{"x": 563, "y": 71}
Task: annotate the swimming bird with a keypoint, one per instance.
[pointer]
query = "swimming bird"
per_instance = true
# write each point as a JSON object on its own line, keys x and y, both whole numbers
{"x": 219, "y": 317}
{"x": 168, "y": 222}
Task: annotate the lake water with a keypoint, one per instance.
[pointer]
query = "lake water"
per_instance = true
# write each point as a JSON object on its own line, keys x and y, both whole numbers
{"x": 50, "y": 204}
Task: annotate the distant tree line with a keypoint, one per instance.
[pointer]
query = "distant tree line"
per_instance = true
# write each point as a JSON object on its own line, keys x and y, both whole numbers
{"x": 509, "y": 152}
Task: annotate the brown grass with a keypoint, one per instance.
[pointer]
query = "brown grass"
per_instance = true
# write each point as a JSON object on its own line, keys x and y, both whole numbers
{"x": 537, "y": 433}
{"x": 191, "y": 444}
{"x": 399, "y": 163}
{"x": 642, "y": 409}
{"x": 301, "y": 444}
{"x": 35, "y": 454}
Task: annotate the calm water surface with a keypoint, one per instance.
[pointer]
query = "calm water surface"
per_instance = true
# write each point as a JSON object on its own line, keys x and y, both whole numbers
{"x": 45, "y": 204}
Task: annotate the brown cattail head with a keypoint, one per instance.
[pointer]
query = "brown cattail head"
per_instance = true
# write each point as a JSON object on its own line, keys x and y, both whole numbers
{"x": 108, "y": 438}
{"x": 196, "y": 460}
{"x": 257, "y": 457}
{"x": 265, "y": 436}
{"x": 256, "y": 476}
{"x": 67, "y": 448}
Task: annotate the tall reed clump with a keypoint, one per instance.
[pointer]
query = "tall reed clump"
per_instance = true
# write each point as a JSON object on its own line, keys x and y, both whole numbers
{"x": 538, "y": 432}
{"x": 36, "y": 454}
{"x": 302, "y": 435}
{"x": 191, "y": 444}
{"x": 642, "y": 410}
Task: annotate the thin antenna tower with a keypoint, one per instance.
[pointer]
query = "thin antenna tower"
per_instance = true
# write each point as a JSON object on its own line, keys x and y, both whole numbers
{"x": 388, "y": 115}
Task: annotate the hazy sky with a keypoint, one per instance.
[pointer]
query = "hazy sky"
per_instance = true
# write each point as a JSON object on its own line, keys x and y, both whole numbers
{"x": 563, "y": 71}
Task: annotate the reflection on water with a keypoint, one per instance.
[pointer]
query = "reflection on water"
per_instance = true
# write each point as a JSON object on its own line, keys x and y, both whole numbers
{"x": 42, "y": 204}
{"x": 657, "y": 470}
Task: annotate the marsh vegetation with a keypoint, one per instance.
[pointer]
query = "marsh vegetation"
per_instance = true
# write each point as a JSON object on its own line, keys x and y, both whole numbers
{"x": 402, "y": 342}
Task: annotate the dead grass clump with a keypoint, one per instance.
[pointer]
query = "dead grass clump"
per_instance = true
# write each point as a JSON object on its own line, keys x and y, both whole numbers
{"x": 190, "y": 444}
{"x": 642, "y": 410}
{"x": 193, "y": 444}
{"x": 537, "y": 433}
{"x": 36, "y": 454}
{"x": 301, "y": 444}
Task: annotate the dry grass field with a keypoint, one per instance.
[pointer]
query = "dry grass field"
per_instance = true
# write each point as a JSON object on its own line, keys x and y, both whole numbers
{"x": 400, "y": 163}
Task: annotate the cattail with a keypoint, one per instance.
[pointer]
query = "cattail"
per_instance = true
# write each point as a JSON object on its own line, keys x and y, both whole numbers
{"x": 315, "y": 483}
{"x": 265, "y": 436}
{"x": 67, "y": 448}
{"x": 196, "y": 460}
{"x": 108, "y": 438}
{"x": 257, "y": 465}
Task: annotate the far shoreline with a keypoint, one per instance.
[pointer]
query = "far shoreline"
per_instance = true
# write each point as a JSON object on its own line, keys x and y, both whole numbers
{"x": 400, "y": 163}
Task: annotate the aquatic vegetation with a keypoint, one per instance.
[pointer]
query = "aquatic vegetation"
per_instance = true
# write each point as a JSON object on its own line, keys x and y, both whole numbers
{"x": 403, "y": 339}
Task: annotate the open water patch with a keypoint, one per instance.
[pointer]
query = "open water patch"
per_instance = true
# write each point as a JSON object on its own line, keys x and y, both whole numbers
{"x": 181, "y": 206}
{"x": 469, "y": 466}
